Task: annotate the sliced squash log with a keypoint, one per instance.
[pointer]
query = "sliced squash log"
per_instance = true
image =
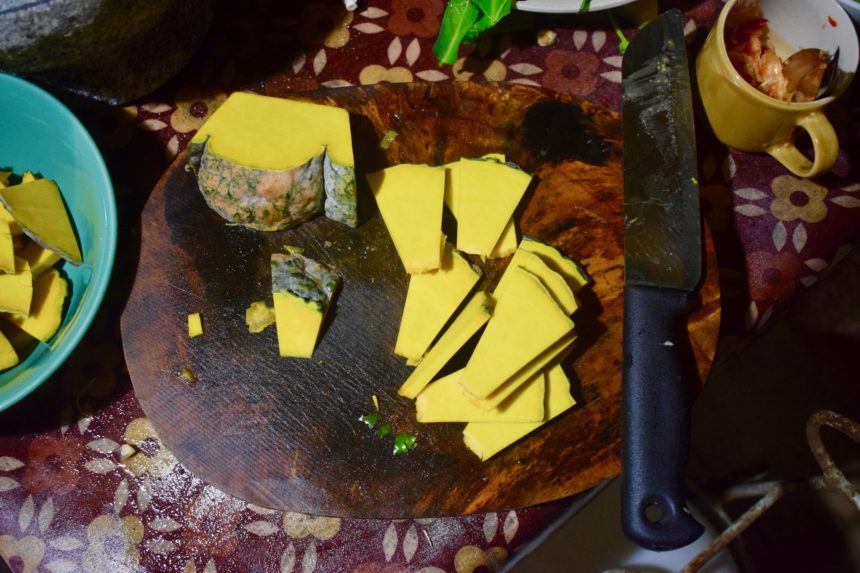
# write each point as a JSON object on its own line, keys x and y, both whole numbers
{"x": 271, "y": 163}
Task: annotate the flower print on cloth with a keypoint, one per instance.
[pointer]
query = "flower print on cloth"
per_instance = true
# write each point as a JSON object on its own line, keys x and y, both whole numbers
{"x": 300, "y": 525}
{"x": 573, "y": 72}
{"x": 193, "y": 108}
{"x": 373, "y": 567}
{"x": 112, "y": 544}
{"x": 420, "y": 18}
{"x": 52, "y": 464}
{"x": 143, "y": 452}
{"x": 24, "y": 555}
{"x": 796, "y": 198}
{"x": 772, "y": 276}
{"x": 471, "y": 558}
{"x": 465, "y": 69}
{"x": 325, "y": 25}
{"x": 212, "y": 523}
{"x": 374, "y": 74}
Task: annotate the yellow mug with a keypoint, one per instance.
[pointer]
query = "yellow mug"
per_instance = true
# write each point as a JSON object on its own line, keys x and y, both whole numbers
{"x": 744, "y": 118}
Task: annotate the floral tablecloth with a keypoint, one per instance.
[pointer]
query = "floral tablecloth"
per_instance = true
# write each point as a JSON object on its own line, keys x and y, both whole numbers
{"x": 85, "y": 484}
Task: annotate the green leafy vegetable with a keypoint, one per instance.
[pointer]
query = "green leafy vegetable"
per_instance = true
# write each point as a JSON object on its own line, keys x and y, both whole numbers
{"x": 383, "y": 430}
{"x": 370, "y": 419}
{"x": 585, "y": 6}
{"x": 622, "y": 39}
{"x": 404, "y": 443}
{"x": 463, "y": 21}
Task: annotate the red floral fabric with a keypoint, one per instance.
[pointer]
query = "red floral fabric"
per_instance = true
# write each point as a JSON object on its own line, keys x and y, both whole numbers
{"x": 85, "y": 484}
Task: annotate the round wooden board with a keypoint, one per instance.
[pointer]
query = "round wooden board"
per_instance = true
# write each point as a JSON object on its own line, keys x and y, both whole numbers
{"x": 285, "y": 433}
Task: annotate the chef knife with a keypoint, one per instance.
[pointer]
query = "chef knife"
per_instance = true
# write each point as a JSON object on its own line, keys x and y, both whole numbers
{"x": 662, "y": 265}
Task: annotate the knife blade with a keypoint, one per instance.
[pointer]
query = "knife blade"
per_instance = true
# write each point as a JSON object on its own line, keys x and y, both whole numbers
{"x": 662, "y": 265}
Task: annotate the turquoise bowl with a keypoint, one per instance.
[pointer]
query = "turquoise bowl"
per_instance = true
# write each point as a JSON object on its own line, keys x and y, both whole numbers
{"x": 39, "y": 134}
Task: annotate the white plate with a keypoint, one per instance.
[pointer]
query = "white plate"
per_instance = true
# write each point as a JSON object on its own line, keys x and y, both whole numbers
{"x": 567, "y": 6}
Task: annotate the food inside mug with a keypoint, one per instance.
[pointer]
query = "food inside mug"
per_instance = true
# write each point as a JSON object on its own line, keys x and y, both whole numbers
{"x": 753, "y": 50}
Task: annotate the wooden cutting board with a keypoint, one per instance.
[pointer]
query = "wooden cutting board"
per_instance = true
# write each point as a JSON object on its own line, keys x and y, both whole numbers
{"x": 285, "y": 433}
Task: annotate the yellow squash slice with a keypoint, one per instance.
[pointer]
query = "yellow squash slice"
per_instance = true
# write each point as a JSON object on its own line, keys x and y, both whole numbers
{"x": 527, "y": 322}
{"x": 552, "y": 355}
{"x": 8, "y": 356}
{"x": 410, "y": 199}
{"x": 7, "y": 248}
{"x": 16, "y": 289}
{"x": 195, "y": 325}
{"x": 486, "y": 439}
{"x": 38, "y": 207}
{"x": 575, "y": 276}
{"x": 467, "y": 322}
{"x": 302, "y": 290}
{"x": 39, "y": 257}
{"x": 507, "y": 242}
{"x": 553, "y": 281}
{"x": 46, "y": 310}
{"x": 487, "y": 193}
{"x": 431, "y": 300}
{"x": 445, "y": 401}
{"x": 298, "y": 322}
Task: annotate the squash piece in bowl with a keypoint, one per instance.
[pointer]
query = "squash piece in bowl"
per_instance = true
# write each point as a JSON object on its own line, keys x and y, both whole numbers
{"x": 44, "y": 137}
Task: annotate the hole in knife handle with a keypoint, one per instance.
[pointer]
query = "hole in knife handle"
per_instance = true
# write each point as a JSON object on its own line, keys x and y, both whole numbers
{"x": 653, "y": 511}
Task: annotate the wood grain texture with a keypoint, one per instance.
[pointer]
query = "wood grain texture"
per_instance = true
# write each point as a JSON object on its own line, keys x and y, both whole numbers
{"x": 285, "y": 433}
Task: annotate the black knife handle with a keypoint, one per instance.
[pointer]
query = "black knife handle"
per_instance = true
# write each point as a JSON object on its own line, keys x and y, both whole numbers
{"x": 655, "y": 420}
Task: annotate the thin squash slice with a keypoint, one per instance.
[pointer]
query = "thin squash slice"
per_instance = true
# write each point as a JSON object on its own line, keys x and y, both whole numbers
{"x": 527, "y": 322}
{"x": 445, "y": 401}
{"x": 38, "y": 207}
{"x": 573, "y": 273}
{"x": 410, "y": 199}
{"x": 487, "y": 193}
{"x": 431, "y": 300}
{"x": 486, "y": 439}
{"x": 468, "y": 321}
{"x": 554, "y": 282}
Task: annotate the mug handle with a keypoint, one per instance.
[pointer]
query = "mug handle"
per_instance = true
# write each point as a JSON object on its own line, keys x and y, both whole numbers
{"x": 825, "y": 147}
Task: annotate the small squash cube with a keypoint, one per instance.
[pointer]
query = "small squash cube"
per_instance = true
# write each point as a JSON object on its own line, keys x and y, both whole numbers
{"x": 195, "y": 325}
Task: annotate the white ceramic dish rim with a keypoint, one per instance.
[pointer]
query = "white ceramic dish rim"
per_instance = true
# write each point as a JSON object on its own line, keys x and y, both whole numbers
{"x": 567, "y": 6}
